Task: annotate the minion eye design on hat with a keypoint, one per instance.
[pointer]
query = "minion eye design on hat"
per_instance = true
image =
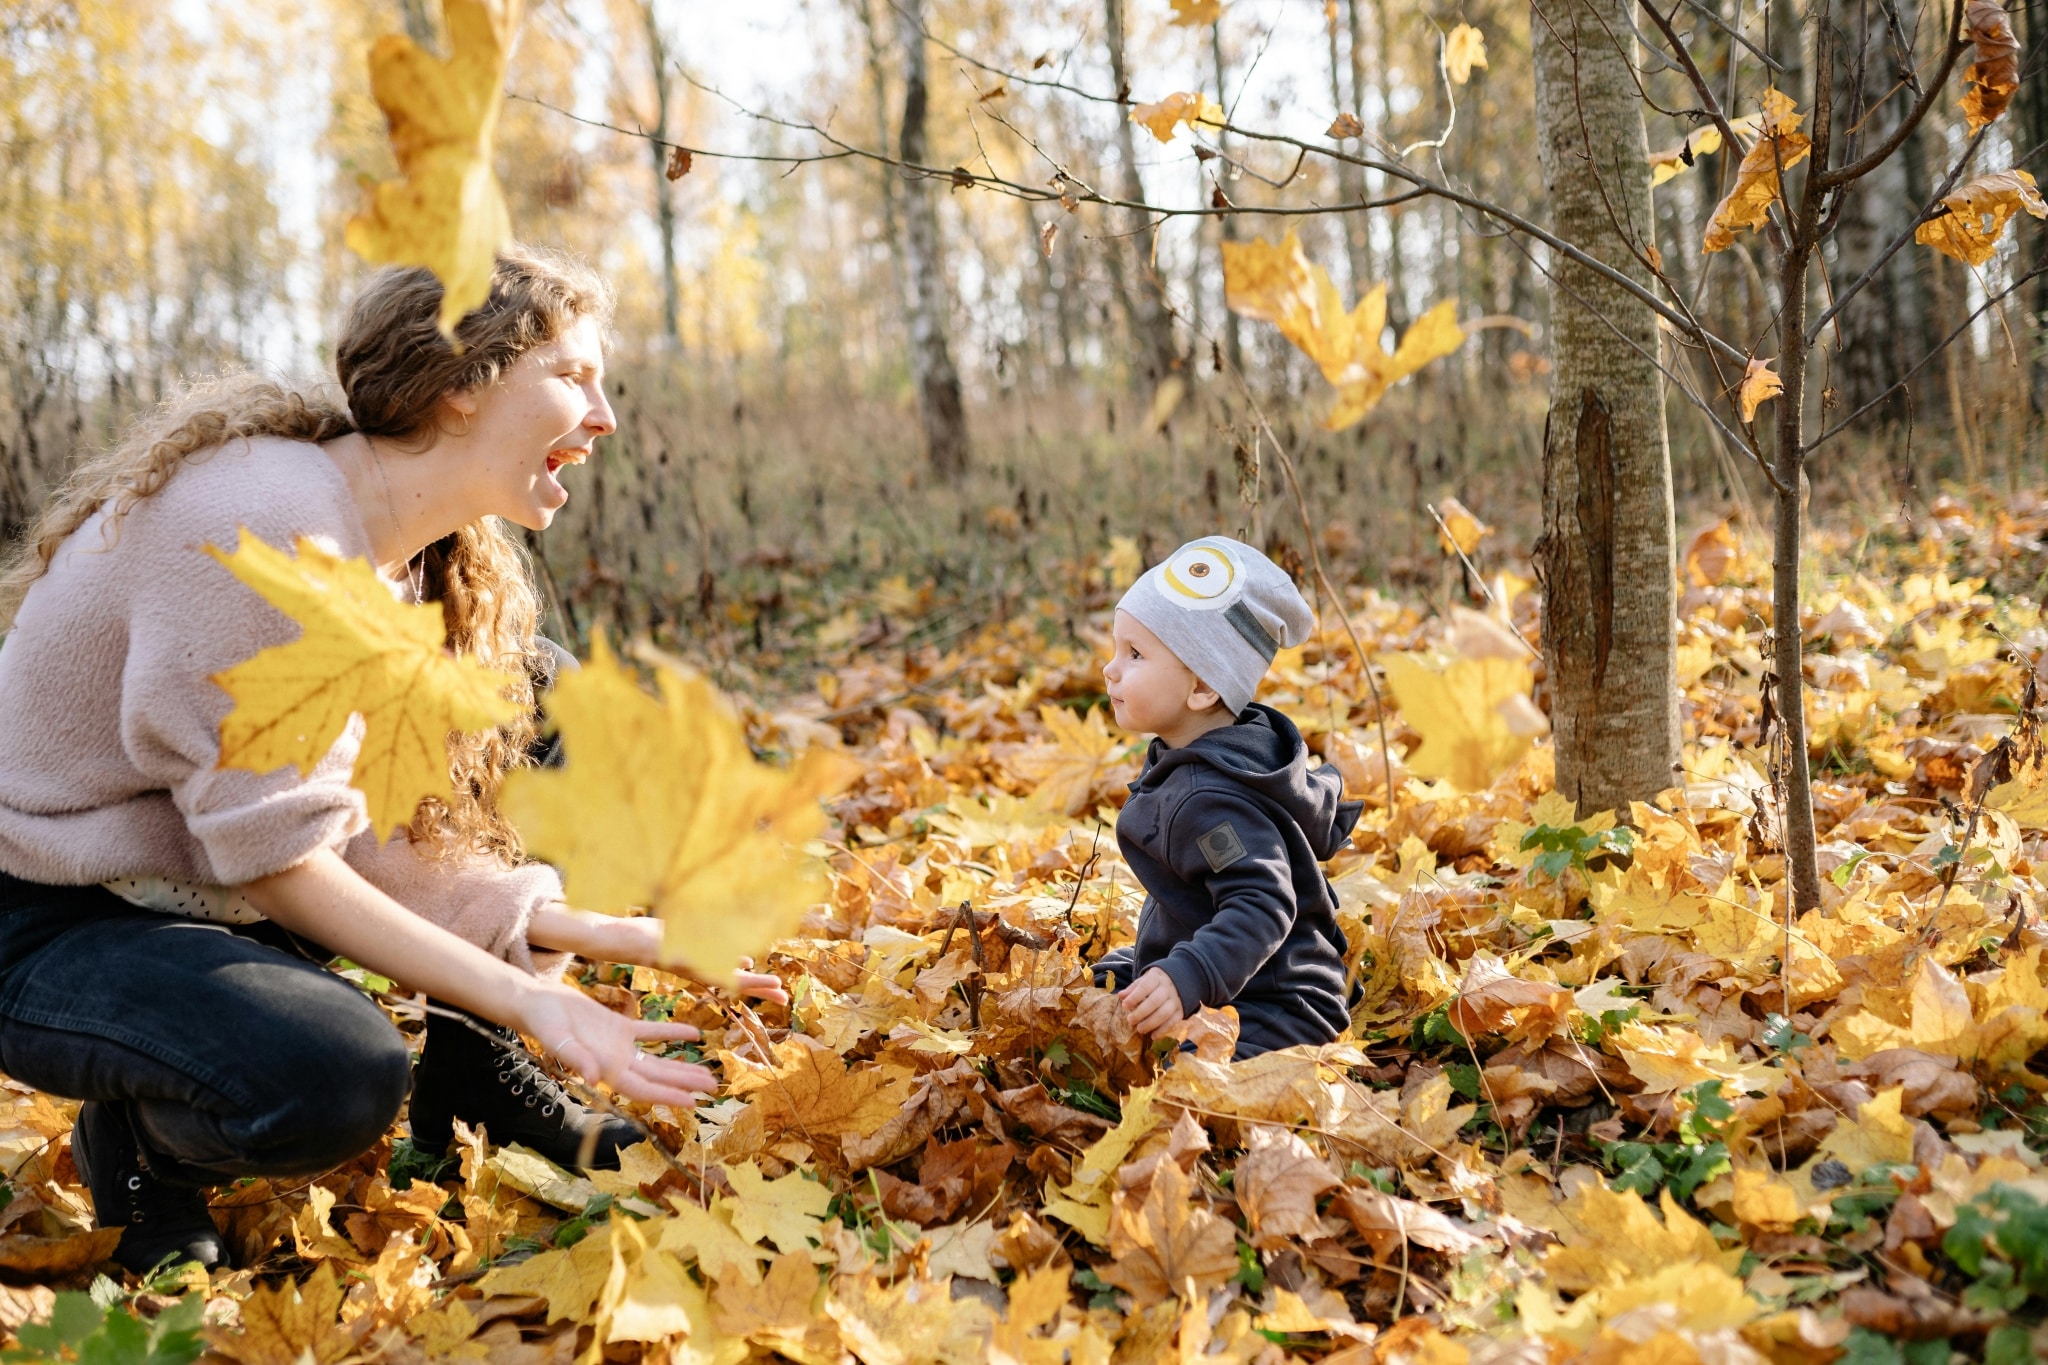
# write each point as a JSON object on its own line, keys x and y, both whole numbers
{"x": 1204, "y": 577}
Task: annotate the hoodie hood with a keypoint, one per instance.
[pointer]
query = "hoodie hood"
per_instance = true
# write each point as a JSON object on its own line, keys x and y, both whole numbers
{"x": 1266, "y": 753}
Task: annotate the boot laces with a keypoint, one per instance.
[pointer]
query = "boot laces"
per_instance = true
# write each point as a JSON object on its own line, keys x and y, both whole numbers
{"x": 522, "y": 1073}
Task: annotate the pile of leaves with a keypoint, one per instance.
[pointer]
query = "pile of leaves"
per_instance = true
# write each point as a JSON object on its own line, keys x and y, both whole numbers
{"x": 1601, "y": 1100}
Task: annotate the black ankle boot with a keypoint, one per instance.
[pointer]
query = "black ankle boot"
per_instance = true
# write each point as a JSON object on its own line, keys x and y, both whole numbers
{"x": 158, "y": 1219}
{"x": 482, "y": 1074}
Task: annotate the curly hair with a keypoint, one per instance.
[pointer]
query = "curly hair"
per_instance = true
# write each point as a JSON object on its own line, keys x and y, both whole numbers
{"x": 394, "y": 366}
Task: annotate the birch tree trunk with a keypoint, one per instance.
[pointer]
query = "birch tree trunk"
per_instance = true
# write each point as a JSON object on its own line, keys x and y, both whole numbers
{"x": 1605, "y": 558}
{"x": 930, "y": 300}
{"x": 1137, "y": 283}
{"x": 664, "y": 194}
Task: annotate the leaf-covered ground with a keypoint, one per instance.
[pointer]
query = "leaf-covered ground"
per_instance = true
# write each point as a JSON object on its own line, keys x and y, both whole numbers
{"x": 1601, "y": 1101}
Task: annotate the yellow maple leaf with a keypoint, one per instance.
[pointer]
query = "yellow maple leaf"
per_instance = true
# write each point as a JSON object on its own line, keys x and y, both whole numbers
{"x": 1618, "y": 1256}
{"x": 1464, "y": 48}
{"x": 1466, "y": 530}
{"x": 777, "y": 1313}
{"x": 1977, "y": 215}
{"x": 1189, "y": 13}
{"x": 1760, "y": 384}
{"x": 1455, "y": 705}
{"x": 1083, "y": 759}
{"x": 1779, "y": 147}
{"x": 1676, "y": 161}
{"x": 812, "y": 1092}
{"x": 786, "y": 1210}
{"x": 662, "y": 804}
{"x": 1678, "y": 1058}
{"x": 1164, "y": 117}
{"x": 445, "y": 212}
{"x": 360, "y": 652}
{"x": 289, "y": 1324}
{"x": 1276, "y": 283}
{"x": 707, "y": 1237}
{"x": 1942, "y": 1022}
{"x": 1163, "y": 1243}
{"x": 570, "y": 1280}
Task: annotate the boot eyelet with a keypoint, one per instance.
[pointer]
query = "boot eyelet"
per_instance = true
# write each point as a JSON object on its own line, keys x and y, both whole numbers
{"x": 504, "y": 1076}
{"x": 547, "y": 1111}
{"x": 134, "y": 1183}
{"x": 517, "y": 1090}
{"x": 530, "y": 1099}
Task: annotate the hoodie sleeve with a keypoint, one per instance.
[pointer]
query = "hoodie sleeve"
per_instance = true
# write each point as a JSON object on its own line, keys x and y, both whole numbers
{"x": 1227, "y": 847}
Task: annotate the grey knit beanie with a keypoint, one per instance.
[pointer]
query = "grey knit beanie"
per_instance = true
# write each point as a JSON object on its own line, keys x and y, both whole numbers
{"x": 1225, "y": 610}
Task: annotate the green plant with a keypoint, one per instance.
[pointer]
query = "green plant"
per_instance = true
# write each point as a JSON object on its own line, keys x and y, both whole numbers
{"x": 1696, "y": 1157}
{"x": 104, "y": 1330}
{"x": 1571, "y": 846}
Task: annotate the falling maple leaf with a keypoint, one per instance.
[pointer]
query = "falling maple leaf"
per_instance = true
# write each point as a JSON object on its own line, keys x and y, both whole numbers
{"x": 1779, "y": 147}
{"x": 1164, "y": 117}
{"x": 1189, "y": 13}
{"x": 1456, "y": 705}
{"x": 1995, "y": 75}
{"x": 1760, "y": 384}
{"x": 1276, "y": 283}
{"x": 1676, "y": 161}
{"x": 1464, "y": 48}
{"x": 1977, "y": 215}
{"x": 360, "y": 652}
{"x": 661, "y": 804}
{"x": 445, "y": 212}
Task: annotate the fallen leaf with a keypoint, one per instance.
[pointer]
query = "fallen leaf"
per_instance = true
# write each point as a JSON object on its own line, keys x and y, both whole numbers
{"x": 445, "y": 212}
{"x": 1160, "y": 1246}
{"x": 289, "y": 1324}
{"x": 49, "y": 1257}
{"x": 785, "y": 1211}
{"x": 1466, "y": 530}
{"x": 1277, "y": 1182}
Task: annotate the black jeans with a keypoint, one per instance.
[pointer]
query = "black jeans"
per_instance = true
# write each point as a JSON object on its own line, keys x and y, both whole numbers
{"x": 237, "y": 1053}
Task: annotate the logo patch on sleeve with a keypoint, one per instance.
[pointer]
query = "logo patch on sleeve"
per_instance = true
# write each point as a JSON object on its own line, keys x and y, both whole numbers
{"x": 1221, "y": 846}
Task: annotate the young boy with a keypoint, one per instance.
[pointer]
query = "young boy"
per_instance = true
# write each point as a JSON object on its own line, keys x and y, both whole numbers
{"x": 1226, "y": 826}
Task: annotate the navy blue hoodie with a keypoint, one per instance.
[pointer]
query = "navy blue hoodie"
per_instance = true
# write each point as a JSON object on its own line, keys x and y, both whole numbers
{"x": 1228, "y": 835}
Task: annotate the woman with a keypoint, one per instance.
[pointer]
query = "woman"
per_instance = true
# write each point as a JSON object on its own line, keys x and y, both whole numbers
{"x": 155, "y": 910}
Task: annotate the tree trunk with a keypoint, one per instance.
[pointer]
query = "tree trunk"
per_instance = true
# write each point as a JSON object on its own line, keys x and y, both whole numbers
{"x": 1397, "y": 287}
{"x": 1872, "y": 325}
{"x": 1137, "y": 282}
{"x": 1605, "y": 557}
{"x": 664, "y": 196}
{"x": 938, "y": 383}
{"x": 1357, "y": 242}
{"x": 878, "y": 81}
{"x": 1233, "y": 336}
{"x": 2032, "y": 107}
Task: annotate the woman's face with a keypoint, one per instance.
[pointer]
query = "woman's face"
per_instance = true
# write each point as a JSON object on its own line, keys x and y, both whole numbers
{"x": 544, "y": 413}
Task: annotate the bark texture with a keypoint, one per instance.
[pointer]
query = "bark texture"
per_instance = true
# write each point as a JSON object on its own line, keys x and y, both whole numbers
{"x": 930, "y": 301}
{"x": 664, "y": 196}
{"x": 1132, "y": 274}
{"x": 1606, "y": 556}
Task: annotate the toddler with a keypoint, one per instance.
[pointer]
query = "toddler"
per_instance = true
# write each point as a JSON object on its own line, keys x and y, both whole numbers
{"x": 1227, "y": 826}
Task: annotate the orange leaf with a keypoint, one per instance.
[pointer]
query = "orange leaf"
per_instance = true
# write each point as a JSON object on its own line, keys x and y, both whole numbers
{"x": 1977, "y": 215}
{"x": 1780, "y": 147}
{"x": 1996, "y": 73}
{"x": 1760, "y": 384}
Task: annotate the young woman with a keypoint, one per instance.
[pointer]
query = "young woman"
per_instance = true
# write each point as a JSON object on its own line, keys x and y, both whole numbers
{"x": 163, "y": 920}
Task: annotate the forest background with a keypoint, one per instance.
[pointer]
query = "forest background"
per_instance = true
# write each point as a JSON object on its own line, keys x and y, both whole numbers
{"x": 764, "y": 370}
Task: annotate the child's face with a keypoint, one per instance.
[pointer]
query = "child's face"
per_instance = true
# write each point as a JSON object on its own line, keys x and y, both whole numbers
{"x": 1150, "y": 690}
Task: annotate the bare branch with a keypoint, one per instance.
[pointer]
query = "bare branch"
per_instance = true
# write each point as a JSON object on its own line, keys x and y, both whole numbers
{"x": 1824, "y": 180}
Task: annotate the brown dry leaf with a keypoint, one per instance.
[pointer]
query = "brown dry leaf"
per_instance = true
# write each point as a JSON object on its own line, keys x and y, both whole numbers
{"x": 1712, "y": 554}
{"x": 445, "y": 211}
{"x": 1386, "y": 1220}
{"x": 1977, "y": 215}
{"x": 1277, "y": 1182}
{"x": 53, "y": 1256}
{"x": 1344, "y": 126}
{"x": 1492, "y": 1000}
{"x": 812, "y": 1092}
{"x": 1464, "y": 48}
{"x": 289, "y": 1324}
{"x": 1760, "y": 384}
{"x": 1779, "y": 147}
{"x": 1995, "y": 74}
{"x": 1164, "y": 117}
{"x": 1162, "y": 1244}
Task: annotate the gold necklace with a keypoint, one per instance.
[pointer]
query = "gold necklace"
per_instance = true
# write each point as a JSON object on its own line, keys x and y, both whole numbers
{"x": 413, "y": 574}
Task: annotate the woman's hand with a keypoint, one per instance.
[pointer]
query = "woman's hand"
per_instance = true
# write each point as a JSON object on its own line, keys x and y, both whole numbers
{"x": 1152, "y": 1002}
{"x": 600, "y": 1044}
{"x": 612, "y": 938}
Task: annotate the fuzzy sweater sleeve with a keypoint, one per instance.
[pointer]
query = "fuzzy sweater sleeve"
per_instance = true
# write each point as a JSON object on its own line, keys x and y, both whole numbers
{"x": 471, "y": 896}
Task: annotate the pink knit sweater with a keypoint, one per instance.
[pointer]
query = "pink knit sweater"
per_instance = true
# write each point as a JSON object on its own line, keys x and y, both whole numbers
{"x": 112, "y": 720}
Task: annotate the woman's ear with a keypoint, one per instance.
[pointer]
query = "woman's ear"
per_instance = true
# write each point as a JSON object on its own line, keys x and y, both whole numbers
{"x": 460, "y": 402}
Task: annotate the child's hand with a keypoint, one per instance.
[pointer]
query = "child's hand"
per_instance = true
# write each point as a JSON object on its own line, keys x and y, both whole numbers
{"x": 1152, "y": 1002}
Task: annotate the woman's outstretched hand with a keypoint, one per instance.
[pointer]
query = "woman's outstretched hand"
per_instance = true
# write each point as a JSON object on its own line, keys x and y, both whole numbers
{"x": 610, "y": 938}
{"x": 600, "y": 1044}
